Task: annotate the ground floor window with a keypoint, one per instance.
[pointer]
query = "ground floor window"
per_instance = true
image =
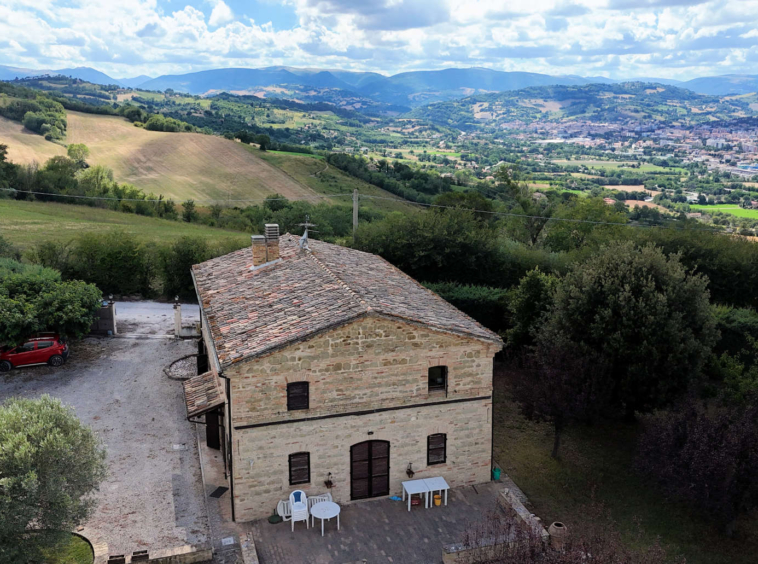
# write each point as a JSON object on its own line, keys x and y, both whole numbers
{"x": 300, "y": 468}
{"x": 436, "y": 449}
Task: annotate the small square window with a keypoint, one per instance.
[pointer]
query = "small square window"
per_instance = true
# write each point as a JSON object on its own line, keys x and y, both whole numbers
{"x": 438, "y": 379}
{"x": 300, "y": 468}
{"x": 436, "y": 449}
{"x": 297, "y": 396}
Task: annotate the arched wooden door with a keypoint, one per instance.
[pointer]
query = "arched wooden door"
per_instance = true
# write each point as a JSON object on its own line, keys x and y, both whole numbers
{"x": 369, "y": 469}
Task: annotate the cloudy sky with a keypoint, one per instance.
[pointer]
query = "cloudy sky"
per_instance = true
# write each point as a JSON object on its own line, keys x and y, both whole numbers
{"x": 615, "y": 38}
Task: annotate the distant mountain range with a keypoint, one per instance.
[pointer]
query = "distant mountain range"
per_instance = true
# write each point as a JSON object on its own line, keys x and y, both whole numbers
{"x": 84, "y": 73}
{"x": 404, "y": 89}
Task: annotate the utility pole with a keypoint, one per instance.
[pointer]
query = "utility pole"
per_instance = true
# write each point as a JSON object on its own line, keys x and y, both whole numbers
{"x": 355, "y": 213}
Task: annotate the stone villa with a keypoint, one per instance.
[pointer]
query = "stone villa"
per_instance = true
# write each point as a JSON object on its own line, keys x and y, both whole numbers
{"x": 326, "y": 367}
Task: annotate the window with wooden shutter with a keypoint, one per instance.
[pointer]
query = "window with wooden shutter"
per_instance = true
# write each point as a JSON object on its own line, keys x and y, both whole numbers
{"x": 436, "y": 449}
{"x": 297, "y": 396}
{"x": 300, "y": 468}
{"x": 438, "y": 379}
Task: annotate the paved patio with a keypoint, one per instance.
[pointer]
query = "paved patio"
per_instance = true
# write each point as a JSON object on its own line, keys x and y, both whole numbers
{"x": 378, "y": 531}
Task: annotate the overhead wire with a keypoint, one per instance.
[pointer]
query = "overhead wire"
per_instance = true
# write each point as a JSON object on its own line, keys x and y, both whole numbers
{"x": 396, "y": 200}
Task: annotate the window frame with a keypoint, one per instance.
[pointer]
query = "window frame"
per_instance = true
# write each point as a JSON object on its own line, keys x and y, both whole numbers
{"x": 291, "y": 386}
{"x": 429, "y": 449}
{"x": 308, "y": 461}
{"x": 437, "y": 389}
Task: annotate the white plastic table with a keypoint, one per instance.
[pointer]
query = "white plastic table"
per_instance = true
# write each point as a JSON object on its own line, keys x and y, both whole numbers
{"x": 416, "y": 487}
{"x": 325, "y": 510}
{"x": 437, "y": 485}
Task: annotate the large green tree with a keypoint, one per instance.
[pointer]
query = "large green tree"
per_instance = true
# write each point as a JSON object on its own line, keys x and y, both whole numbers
{"x": 448, "y": 245}
{"x": 33, "y": 298}
{"x": 644, "y": 317}
{"x": 8, "y": 170}
{"x": 50, "y": 464}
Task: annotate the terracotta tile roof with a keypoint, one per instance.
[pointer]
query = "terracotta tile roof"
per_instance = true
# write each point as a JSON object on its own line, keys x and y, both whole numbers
{"x": 203, "y": 393}
{"x": 250, "y": 312}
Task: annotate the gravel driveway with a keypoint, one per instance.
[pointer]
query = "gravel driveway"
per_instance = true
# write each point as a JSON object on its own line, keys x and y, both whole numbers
{"x": 153, "y": 496}
{"x": 155, "y": 318}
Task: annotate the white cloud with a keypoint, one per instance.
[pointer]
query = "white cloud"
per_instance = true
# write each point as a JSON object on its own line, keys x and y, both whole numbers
{"x": 676, "y": 38}
{"x": 221, "y": 14}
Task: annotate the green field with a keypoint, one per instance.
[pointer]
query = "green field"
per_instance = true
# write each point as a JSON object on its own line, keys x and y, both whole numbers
{"x": 25, "y": 223}
{"x": 613, "y": 165}
{"x": 293, "y": 154}
{"x": 730, "y": 209}
{"x": 597, "y": 465}
{"x": 325, "y": 179}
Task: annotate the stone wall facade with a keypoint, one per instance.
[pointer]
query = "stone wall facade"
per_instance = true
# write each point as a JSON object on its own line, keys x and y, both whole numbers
{"x": 261, "y": 469}
{"x": 369, "y": 376}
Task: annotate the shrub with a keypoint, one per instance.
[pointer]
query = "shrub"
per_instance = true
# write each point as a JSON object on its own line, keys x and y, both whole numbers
{"x": 485, "y": 304}
{"x": 176, "y": 265}
{"x": 34, "y": 299}
{"x": 706, "y": 457}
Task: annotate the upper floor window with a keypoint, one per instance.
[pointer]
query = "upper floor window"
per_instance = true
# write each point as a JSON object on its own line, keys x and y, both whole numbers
{"x": 297, "y": 396}
{"x": 300, "y": 468}
{"x": 438, "y": 379}
{"x": 436, "y": 449}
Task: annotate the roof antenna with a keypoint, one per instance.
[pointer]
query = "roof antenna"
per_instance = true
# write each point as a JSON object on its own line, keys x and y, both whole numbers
{"x": 304, "y": 238}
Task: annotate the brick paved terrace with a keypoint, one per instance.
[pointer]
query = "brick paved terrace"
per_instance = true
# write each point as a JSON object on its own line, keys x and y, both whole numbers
{"x": 377, "y": 531}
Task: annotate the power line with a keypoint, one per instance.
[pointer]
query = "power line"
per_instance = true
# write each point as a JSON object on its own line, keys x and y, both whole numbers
{"x": 318, "y": 197}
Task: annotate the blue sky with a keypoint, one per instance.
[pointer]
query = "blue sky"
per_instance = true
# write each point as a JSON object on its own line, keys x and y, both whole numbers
{"x": 616, "y": 38}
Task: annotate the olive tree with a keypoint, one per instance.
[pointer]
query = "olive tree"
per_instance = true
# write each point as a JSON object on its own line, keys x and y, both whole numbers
{"x": 50, "y": 464}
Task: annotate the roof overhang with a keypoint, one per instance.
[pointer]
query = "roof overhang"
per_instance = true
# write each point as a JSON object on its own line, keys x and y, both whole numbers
{"x": 203, "y": 393}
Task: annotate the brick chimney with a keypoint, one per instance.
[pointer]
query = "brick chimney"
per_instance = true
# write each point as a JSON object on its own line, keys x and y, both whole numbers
{"x": 272, "y": 241}
{"x": 259, "y": 250}
{"x": 266, "y": 247}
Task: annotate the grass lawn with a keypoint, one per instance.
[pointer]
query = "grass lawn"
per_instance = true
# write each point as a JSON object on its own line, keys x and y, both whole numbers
{"x": 732, "y": 209}
{"x": 25, "y": 223}
{"x": 598, "y": 461}
{"x": 75, "y": 551}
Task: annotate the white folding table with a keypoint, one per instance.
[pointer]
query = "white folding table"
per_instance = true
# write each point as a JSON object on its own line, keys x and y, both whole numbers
{"x": 416, "y": 487}
{"x": 437, "y": 485}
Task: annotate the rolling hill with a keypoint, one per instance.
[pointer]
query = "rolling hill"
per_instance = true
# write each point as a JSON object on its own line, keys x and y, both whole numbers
{"x": 191, "y": 165}
{"x": 723, "y": 85}
{"x": 591, "y": 102}
{"x": 24, "y": 146}
{"x": 177, "y": 165}
{"x": 407, "y": 88}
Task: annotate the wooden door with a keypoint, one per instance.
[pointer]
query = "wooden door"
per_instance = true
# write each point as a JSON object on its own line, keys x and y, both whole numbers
{"x": 369, "y": 469}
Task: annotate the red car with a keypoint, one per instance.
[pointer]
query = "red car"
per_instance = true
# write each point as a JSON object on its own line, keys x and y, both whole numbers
{"x": 43, "y": 349}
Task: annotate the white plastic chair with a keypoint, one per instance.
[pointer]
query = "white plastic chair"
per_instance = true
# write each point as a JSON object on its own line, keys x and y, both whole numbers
{"x": 284, "y": 510}
{"x": 318, "y": 499}
{"x": 299, "y": 508}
